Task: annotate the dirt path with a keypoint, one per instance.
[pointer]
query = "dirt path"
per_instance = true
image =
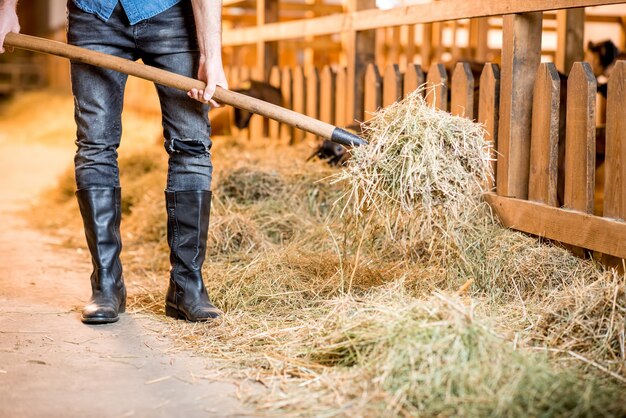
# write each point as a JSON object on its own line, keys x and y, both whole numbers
{"x": 50, "y": 363}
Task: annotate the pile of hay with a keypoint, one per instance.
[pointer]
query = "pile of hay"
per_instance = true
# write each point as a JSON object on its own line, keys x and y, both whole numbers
{"x": 385, "y": 288}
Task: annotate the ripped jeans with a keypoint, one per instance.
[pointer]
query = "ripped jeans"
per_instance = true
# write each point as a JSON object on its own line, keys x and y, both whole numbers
{"x": 168, "y": 41}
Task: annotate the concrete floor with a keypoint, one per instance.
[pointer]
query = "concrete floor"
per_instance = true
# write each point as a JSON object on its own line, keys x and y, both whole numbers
{"x": 52, "y": 365}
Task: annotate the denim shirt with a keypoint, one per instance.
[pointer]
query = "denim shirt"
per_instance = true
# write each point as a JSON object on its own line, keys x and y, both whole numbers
{"x": 136, "y": 10}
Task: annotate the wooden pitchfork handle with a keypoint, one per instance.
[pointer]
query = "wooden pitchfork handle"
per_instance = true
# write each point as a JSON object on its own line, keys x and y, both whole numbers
{"x": 166, "y": 78}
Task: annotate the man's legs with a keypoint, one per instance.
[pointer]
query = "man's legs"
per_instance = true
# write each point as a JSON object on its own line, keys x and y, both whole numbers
{"x": 98, "y": 97}
{"x": 187, "y": 141}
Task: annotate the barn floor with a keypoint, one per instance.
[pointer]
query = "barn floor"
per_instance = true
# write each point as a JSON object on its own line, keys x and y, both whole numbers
{"x": 53, "y": 365}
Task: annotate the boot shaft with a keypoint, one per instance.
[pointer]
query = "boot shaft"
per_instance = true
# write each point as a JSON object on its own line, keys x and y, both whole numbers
{"x": 100, "y": 209}
{"x": 188, "y": 214}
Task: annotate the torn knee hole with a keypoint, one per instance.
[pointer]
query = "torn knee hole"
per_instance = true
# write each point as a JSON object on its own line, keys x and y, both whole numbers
{"x": 188, "y": 146}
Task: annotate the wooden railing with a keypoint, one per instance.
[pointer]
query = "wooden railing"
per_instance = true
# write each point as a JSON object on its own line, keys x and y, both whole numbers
{"x": 409, "y": 15}
{"x": 546, "y": 142}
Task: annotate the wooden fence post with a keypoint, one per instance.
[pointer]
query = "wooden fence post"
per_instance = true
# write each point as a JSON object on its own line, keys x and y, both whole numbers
{"x": 426, "y": 49}
{"x": 245, "y": 74}
{"x": 521, "y": 53}
{"x": 489, "y": 109}
{"x": 274, "y": 80}
{"x": 462, "y": 103}
{"x": 312, "y": 97}
{"x": 478, "y": 32}
{"x": 299, "y": 100}
{"x": 327, "y": 95}
{"x": 234, "y": 78}
{"x": 580, "y": 138}
{"x": 409, "y": 51}
{"x": 267, "y": 52}
{"x": 437, "y": 87}
{"x": 392, "y": 85}
{"x": 341, "y": 115}
{"x": 286, "y": 88}
{"x": 257, "y": 122}
{"x": 544, "y": 145}
{"x": 615, "y": 160}
{"x": 361, "y": 52}
{"x": 570, "y": 27}
{"x": 373, "y": 91}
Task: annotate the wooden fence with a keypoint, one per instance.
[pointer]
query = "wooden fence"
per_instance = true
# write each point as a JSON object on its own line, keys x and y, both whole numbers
{"x": 546, "y": 143}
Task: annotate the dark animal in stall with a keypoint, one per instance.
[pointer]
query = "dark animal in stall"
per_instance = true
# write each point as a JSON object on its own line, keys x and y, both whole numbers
{"x": 602, "y": 57}
{"x": 223, "y": 117}
{"x": 259, "y": 90}
{"x": 335, "y": 154}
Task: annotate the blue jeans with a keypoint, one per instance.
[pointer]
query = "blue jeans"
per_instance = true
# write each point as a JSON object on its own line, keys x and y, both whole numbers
{"x": 168, "y": 41}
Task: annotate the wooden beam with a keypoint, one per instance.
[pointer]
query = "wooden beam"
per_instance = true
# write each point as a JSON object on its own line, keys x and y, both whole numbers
{"x": 407, "y": 15}
{"x": 570, "y": 38}
{"x": 267, "y": 51}
{"x": 576, "y": 228}
{"x": 321, "y": 9}
{"x": 521, "y": 53}
{"x": 361, "y": 52}
{"x": 230, "y": 3}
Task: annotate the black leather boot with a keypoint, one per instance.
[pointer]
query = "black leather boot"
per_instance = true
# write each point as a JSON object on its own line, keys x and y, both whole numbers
{"x": 101, "y": 212}
{"x": 187, "y": 229}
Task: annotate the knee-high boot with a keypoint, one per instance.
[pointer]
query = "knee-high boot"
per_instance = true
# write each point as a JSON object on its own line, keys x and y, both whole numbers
{"x": 100, "y": 209}
{"x": 187, "y": 229}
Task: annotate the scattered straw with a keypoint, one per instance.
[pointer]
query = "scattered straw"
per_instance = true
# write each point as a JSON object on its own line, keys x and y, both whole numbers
{"x": 387, "y": 291}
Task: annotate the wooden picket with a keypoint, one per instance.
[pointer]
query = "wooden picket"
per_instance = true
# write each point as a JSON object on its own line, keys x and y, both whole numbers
{"x": 413, "y": 78}
{"x": 580, "y": 143}
{"x": 544, "y": 143}
{"x": 274, "y": 80}
{"x": 258, "y": 124}
{"x": 299, "y": 100}
{"x": 392, "y": 84}
{"x": 312, "y": 97}
{"x": 373, "y": 91}
{"x": 437, "y": 87}
{"x": 489, "y": 109}
{"x": 615, "y": 160}
{"x": 341, "y": 109}
{"x": 462, "y": 94}
{"x": 286, "y": 83}
{"x": 327, "y": 95}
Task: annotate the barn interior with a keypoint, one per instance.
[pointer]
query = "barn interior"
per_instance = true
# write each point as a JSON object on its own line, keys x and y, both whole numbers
{"x": 507, "y": 299}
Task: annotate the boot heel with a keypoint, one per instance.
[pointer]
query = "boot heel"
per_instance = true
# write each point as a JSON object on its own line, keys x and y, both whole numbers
{"x": 122, "y": 308}
{"x": 173, "y": 312}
